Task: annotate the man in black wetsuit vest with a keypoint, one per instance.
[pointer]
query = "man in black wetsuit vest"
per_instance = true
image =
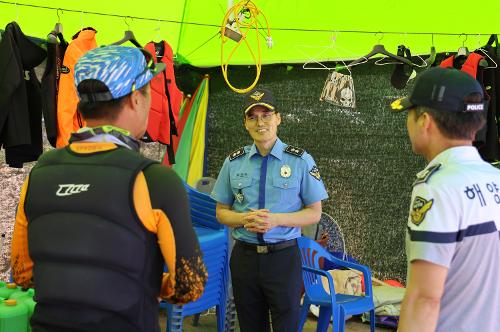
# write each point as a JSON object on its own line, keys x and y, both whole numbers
{"x": 97, "y": 222}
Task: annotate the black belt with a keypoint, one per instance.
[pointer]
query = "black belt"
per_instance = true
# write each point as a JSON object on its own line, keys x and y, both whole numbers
{"x": 267, "y": 248}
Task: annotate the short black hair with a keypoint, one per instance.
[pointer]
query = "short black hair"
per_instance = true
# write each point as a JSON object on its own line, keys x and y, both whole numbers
{"x": 457, "y": 125}
{"x": 95, "y": 110}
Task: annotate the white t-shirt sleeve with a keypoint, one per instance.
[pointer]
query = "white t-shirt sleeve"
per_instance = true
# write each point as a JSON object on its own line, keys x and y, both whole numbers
{"x": 433, "y": 225}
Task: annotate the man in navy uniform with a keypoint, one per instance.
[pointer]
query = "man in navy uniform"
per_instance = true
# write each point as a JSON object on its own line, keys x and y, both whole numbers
{"x": 266, "y": 192}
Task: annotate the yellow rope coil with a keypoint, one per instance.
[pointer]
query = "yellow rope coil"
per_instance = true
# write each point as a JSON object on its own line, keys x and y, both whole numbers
{"x": 243, "y": 25}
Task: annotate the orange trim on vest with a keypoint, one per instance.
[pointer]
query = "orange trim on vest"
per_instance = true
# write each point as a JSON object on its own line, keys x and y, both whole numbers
{"x": 91, "y": 147}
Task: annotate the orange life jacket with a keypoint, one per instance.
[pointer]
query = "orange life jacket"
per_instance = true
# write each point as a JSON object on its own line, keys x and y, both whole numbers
{"x": 166, "y": 99}
{"x": 68, "y": 118}
{"x": 470, "y": 65}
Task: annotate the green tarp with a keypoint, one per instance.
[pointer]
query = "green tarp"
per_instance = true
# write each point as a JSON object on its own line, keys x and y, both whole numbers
{"x": 301, "y": 30}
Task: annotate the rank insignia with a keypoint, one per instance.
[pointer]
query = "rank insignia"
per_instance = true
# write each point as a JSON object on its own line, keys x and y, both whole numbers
{"x": 285, "y": 171}
{"x": 236, "y": 154}
{"x": 257, "y": 95}
{"x": 294, "y": 150}
{"x": 315, "y": 173}
{"x": 424, "y": 175}
{"x": 419, "y": 209}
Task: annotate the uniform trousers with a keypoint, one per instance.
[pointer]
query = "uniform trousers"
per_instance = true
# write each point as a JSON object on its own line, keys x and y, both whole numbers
{"x": 266, "y": 283}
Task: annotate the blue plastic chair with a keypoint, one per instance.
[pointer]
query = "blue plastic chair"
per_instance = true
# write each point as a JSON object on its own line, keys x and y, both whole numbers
{"x": 332, "y": 306}
{"x": 214, "y": 245}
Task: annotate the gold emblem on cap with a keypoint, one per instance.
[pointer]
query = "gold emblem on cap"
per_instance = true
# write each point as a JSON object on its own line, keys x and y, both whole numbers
{"x": 396, "y": 105}
{"x": 285, "y": 171}
{"x": 257, "y": 95}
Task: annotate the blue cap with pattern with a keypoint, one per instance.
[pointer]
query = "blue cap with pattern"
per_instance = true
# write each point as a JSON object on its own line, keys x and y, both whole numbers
{"x": 122, "y": 69}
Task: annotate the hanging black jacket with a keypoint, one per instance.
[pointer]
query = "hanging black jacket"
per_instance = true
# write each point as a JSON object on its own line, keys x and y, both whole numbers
{"x": 20, "y": 97}
{"x": 50, "y": 83}
{"x": 491, "y": 80}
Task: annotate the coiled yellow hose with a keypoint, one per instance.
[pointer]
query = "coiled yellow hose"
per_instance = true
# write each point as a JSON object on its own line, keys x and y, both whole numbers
{"x": 245, "y": 15}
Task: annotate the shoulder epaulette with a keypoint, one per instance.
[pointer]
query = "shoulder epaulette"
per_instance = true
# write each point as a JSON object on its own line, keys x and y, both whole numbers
{"x": 425, "y": 175}
{"x": 294, "y": 150}
{"x": 236, "y": 154}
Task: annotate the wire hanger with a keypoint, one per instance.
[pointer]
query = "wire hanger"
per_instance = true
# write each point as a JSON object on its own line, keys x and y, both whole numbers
{"x": 314, "y": 63}
{"x": 463, "y": 50}
{"x": 128, "y": 36}
{"x": 82, "y": 25}
{"x": 485, "y": 53}
{"x": 380, "y": 49}
{"x": 58, "y": 28}
{"x": 158, "y": 31}
{"x": 17, "y": 13}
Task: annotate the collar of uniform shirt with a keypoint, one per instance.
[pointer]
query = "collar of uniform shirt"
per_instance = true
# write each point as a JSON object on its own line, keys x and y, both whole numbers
{"x": 276, "y": 151}
{"x": 455, "y": 153}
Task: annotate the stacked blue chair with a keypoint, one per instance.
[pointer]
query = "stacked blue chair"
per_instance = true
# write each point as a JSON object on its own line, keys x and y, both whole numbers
{"x": 214, "y": 244}
{"x": 332, "y": 306}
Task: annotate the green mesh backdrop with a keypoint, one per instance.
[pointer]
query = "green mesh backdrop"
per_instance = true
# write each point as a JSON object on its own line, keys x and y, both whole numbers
{"x": 364, "y": 154}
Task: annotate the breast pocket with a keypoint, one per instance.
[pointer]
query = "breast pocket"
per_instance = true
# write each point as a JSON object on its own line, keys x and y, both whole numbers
{"x": 288, "y": 189}
{"x": 241, "y": 189}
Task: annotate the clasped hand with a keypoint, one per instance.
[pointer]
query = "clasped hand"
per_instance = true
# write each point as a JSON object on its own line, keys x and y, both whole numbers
{"x": 259, "y": 221}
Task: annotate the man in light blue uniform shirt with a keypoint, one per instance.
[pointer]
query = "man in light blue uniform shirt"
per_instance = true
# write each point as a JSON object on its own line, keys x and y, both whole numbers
{"x": 267, "y": 192}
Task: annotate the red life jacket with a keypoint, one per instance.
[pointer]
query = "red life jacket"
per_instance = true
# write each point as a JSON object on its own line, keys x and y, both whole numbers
{"x": 470, "y": 65}
{"x": 166, "y": 98}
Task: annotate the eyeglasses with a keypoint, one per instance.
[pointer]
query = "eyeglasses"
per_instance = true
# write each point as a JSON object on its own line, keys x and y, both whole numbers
{"x": 150, "y": 65}
{"x": 266, "y": 118}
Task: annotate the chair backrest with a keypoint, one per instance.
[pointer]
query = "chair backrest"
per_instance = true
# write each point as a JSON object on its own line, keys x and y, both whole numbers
{"x": 202, "y": 209}
{"x": 205, "y": 184}
{"x": 310, "y": 253}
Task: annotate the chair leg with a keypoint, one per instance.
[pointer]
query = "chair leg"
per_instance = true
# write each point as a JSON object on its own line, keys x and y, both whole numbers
{"x": 372, "y": 320}
{"x": 196, "y": 319}
{"x": 336, "y": 320}
{"x": 303, "y": 315}
{"x": 340, "y": 321}
{"x": 221, "y": 316}
{"x": 325, "y": 313}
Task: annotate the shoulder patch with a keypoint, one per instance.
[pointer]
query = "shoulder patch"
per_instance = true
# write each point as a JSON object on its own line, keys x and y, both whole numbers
{"x": 236, "y": 154}
{"x": 295, "y": 151}
{"x": 419, "y": 208}
{"x": 425, "y": 175}
{"x": 315, "y": 173}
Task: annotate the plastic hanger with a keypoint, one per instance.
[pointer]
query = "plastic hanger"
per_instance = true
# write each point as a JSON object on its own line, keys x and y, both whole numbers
{"x": 405, "y": 54}
{"x": 423, "y": 64}
{"x": 380, "y": 49}
{"x": 128, "y": 36}
{"x": 432, "y": 55}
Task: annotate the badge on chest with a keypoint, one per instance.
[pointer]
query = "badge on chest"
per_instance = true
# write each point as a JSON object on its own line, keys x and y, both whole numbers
{"x": 285, "y": 171}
